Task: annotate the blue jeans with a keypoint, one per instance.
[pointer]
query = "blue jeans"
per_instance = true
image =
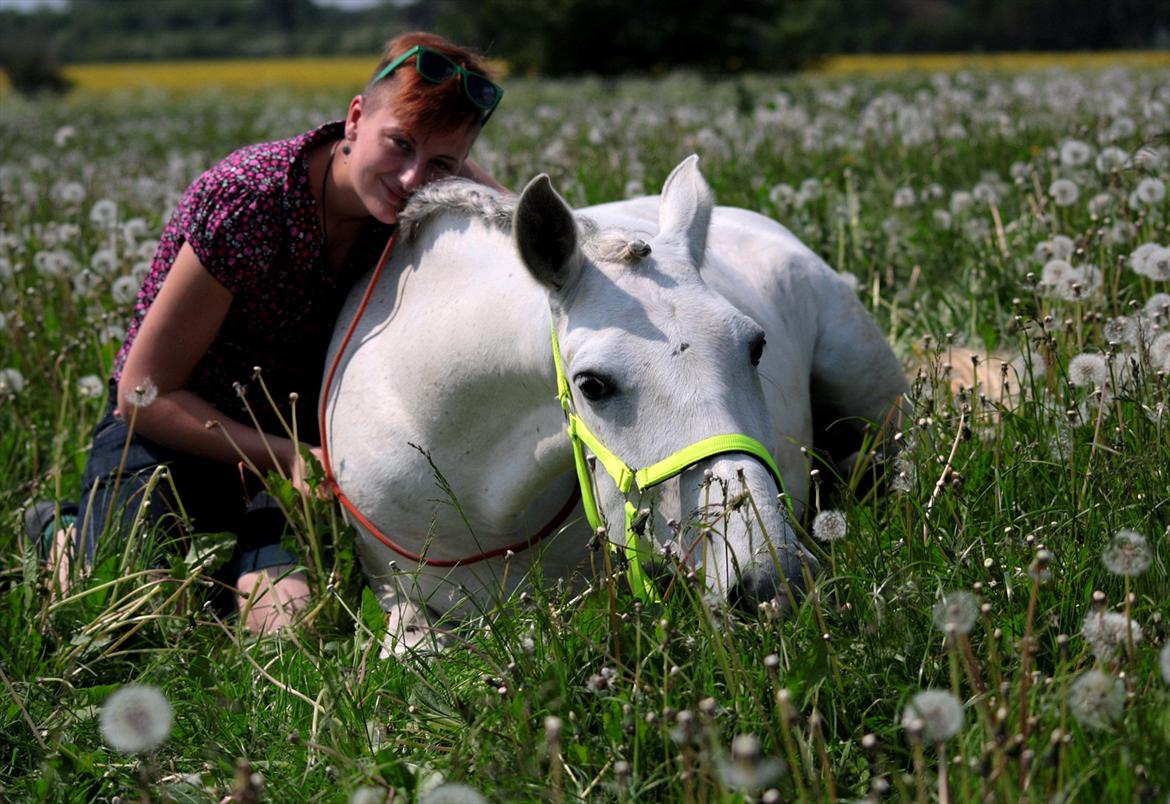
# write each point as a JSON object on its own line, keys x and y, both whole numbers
{"x": 214, "y": 497}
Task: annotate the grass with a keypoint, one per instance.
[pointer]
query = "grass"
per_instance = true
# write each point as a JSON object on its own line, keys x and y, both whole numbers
{"x": 559, "y": 698}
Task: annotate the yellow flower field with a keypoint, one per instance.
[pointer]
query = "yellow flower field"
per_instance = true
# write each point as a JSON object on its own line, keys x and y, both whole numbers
{"x": 309, "y": 73}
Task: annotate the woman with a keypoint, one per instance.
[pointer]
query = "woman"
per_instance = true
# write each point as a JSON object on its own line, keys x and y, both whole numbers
{"x": 245, "y": 285}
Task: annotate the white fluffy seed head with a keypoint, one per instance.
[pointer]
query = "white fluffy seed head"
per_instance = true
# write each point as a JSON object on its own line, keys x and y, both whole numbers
{"x": 1088, "y": 370}
{"x": 956, "y": 613}
{"x": 830, "y": 526}
{"x": 1107, "y": 632}
{"x": 937, "y": 712}
{"x": 135, "y": 719}
{"x": 1164, "y": 662}
{"x": 1127, "y": 554}
{"x": 452, "y": 793}
{"x": 1096, "y": 699}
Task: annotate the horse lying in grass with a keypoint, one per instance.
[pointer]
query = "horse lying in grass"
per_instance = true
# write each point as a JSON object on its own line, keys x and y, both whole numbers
{"x": 448, "y": 442}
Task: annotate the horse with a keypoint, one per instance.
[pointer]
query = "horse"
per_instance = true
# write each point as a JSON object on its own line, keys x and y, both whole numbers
{"x": 445, "y": 434}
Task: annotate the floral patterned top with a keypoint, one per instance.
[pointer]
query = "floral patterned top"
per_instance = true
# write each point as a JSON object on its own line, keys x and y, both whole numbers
{"x": 254, "y": 224}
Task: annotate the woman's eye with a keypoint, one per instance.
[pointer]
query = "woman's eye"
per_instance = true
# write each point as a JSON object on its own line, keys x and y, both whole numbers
{"x": 593, "y": 387}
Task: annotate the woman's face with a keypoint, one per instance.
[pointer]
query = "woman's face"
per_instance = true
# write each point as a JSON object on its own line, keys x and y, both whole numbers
{"x": 388, "y": 161}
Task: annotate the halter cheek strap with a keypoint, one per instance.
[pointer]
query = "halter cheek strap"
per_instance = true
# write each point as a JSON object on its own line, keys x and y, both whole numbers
{"x": 637, "y": 550}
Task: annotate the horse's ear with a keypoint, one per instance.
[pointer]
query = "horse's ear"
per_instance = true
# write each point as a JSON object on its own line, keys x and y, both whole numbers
{"x": 684, "y": 212}
{"x": 546, "y": 235}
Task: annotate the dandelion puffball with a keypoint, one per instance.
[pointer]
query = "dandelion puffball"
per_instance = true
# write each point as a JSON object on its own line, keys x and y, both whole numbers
{"x": 1096, "y": 699}
{"x": 938, "y": 711}
{"x": 1107, "y": 631}
{"x": 1128, "y": 553}
{"x": 1088, "y": 370}
{"x": 957, "y": 612}
{"x": 830, "y": 526}
{"x": 135, "y": 719}
{"x": 1164, "y": 662}
{"x": 452, "y": 793}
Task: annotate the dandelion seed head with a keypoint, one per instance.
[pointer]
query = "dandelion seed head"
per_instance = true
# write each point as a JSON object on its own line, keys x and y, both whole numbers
{"x": 452, "y": 793}
{"x": 1064, "y": 192}
{"x": 1088, "y": 370}
{"x": 135, "y": 719}
{"x": 124, "y": 290}
{"x": 1151, "y": 190}
{"x": 1074, "y": 153}
{"x": 1164, "y": 662}
{"x": 1159, "y": 352}
{"x": 143, "y": 395}
{"x": 1121, "y": 329}
{"x": 11, "y": 381}
{"x": 1128, "y": 553}
{"x": 104, "y": 213}
{"x": 747, "y": 770}
{"x": 90, "y": 386}
{"x": 942, "y": 219}
{"x": 1110, "y": 159}
{"x": 830, "y": 526}
{"x": 904, "y": 197}
{"x": 1157, "y": 305}
{"x": 939, "y": 713}
{"x": 957, "y": 612}
{"x": 1096, "y": 699}
{"x": 1107, "y": 632}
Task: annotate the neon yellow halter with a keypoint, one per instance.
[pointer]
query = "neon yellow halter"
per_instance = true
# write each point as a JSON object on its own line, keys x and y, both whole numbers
{"x": 637, "y": 551}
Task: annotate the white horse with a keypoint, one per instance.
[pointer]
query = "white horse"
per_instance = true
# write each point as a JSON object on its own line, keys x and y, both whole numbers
{"x": 661, "y": 307}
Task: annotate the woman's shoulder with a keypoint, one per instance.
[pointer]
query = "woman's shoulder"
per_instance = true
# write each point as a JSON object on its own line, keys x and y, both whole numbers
{"x": 262, "y": 171}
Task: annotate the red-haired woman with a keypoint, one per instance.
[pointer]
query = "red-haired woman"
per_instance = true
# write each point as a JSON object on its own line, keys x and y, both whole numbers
{"x": 249, "y": 274}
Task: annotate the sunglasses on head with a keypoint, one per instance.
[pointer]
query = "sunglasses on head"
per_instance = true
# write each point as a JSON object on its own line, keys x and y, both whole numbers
{"x": 433, "y": 66}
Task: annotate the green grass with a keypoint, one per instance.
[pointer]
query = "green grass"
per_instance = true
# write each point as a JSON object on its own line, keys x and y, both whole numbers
{"x": 987, "y": 485}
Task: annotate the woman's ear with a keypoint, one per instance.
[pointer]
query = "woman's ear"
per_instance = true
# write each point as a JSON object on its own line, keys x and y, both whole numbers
{"x": 352, "y": 116}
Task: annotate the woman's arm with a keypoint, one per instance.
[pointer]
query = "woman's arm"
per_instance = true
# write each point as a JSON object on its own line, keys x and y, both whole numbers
{"x": 473, "y": 171}
{"x": 176, "y": 333}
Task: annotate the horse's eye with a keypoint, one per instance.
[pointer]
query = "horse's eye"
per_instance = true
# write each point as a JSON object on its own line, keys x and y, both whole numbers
{"x": 593, "y": 387}
{"x": 758, "y": 348}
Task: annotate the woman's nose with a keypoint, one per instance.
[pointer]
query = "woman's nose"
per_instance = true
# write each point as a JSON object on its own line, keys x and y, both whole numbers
{"x": 412, "y": 176}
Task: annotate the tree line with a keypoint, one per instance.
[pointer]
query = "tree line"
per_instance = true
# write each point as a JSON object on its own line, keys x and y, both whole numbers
{"x": 565, "y": 37}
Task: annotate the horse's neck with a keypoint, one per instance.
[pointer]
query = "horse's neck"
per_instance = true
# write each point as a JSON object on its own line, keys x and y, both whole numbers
{"x": 469, "y": 338}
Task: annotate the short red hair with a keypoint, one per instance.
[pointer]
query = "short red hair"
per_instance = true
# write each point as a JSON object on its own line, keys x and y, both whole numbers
{"x": 419, "y": 104}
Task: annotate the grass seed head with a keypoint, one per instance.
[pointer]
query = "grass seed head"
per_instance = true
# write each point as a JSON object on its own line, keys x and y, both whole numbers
{"x": 135, "y": 719}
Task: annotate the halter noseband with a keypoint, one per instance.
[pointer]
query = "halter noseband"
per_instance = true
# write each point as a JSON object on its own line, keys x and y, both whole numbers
{"x": 636, "y": 550}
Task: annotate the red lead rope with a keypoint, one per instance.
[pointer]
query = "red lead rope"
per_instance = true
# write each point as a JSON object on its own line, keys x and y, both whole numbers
{"x": 348, "y": 504}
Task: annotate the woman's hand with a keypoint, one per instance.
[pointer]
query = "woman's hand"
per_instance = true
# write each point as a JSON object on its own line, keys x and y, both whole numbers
{"x": 300, "y": 473}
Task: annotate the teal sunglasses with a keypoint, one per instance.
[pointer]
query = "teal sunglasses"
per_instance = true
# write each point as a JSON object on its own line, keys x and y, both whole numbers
{"x": 437, "y": 68}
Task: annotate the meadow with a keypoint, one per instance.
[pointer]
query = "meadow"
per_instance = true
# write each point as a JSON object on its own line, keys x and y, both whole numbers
{"x": 1016, "y": 570}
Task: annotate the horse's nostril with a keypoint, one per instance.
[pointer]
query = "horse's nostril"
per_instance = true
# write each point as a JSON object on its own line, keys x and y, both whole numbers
{"x": 763, "y": 583}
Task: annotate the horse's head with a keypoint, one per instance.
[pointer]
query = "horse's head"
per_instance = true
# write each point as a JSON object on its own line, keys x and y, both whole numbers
{"x": 656, "y": 361}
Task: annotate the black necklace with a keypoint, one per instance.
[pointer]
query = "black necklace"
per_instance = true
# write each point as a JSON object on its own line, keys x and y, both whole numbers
{"x": 324, "y": 207}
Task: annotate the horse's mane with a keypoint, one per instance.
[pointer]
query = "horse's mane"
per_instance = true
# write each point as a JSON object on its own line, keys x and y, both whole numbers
{"x": 495, "y": 209}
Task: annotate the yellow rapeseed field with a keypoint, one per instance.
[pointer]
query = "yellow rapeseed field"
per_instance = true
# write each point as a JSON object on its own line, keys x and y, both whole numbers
{"x": 352, "y": 72}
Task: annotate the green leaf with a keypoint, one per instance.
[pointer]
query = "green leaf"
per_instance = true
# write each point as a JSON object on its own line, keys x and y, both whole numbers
{"x": 209, "y": 551}
{"x": 372, "y": 615}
